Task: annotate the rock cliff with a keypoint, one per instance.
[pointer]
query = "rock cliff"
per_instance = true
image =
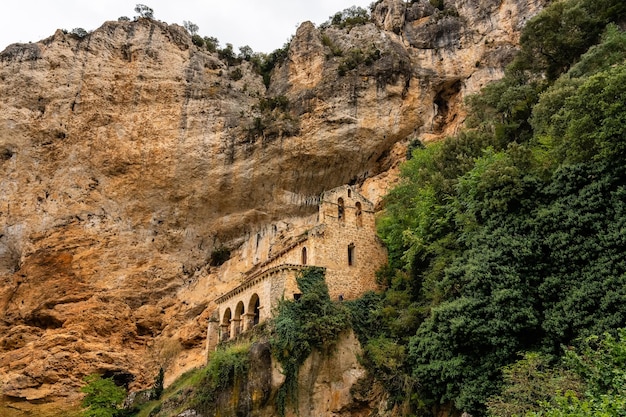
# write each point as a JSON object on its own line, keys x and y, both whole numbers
{"x": 128, "y": 156}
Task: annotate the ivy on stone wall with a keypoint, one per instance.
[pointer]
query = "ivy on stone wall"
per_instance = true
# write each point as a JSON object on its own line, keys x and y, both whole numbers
{"x": 311, "y": 322}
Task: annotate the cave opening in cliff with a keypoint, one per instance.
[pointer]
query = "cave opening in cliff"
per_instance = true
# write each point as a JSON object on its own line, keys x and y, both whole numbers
{"x": 443, "y": 102}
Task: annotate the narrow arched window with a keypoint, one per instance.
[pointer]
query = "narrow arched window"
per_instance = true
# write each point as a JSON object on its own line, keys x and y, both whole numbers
{"x": 341, "y": 209}
{"x": 304, "y": 256}
{"x": 351, "y": 254}
{"x": 358, "y": 212}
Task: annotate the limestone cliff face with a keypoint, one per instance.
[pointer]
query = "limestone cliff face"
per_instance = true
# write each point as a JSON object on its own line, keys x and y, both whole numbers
{"x": 129, "y": 155}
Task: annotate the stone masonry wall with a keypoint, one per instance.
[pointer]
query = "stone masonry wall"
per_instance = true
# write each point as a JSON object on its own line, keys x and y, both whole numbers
{"x": 344, "y": 242}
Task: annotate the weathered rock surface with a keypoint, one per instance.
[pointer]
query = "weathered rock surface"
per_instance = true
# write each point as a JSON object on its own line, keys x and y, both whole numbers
{"x": 325, "y": 387}
{"x": 129, "y": 155}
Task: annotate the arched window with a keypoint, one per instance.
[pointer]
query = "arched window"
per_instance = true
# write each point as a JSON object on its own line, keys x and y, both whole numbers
{"x": 351, "y": 254}
{"x": 227, "y": 316}
{"x": 304, "y": 255}
{"x": 239, "y": 310}
{"x": 358, "y": 212}
{"x": 349, "y": 193}
{"x": 341, "y": 209}
{"x": 238, "y": 324}
{"x": 225, "y": 326}
{"x": 253, "y": 309}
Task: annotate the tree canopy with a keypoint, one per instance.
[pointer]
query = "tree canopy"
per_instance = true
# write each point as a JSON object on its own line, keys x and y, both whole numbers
{"x": 511, "y": 236}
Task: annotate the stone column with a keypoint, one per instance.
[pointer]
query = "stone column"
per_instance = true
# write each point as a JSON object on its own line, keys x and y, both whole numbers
{"x": 235, "y": 328}
{"x": 212, "y": 336}
{"x": 248, "y": 321}
{"x": 225, "y": 332}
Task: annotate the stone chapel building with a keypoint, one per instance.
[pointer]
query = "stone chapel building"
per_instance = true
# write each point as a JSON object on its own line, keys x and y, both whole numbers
{"x": 343, "y": 242}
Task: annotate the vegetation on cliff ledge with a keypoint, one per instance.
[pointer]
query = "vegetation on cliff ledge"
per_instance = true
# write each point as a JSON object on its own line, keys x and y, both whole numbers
{"x": 509, "y": 239}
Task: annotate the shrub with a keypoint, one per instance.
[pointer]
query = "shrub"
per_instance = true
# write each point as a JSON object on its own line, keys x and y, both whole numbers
{"x": 103, "y": 397}
{"x": 263, "y": 64}
{"x": 334, "y": 49}
{"x": 529, "y": 383}
{"x": 191, "y": 27}
{"x": 227, "y": 54}
{"x": 438, "y": 4}
{"x": 144, "y": 11}
{"x": 219, "y": 256}
{"x": 273, "y": 103}
{"x": 245, "y": 53}
{"x": 348, "y": 18}
{"x": 79, "y": 32}
{"x": 211, "y": 43}
{"x": 225, "y": 367}
{"x": 356, "y": 57}
{"x": 197, "y": 40}
{"x": 237, "y": 74}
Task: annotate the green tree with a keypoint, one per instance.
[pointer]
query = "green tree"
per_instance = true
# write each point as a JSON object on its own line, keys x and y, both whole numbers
{"x": 246, "y": 53}
{"x": 601, "y": 364}
{"x": 348, "y": 18}
{"x": 144, "y": 11}
{"x": 591, "y": 122}
{"x": 212, "y": 43}
{"x": 530, "y": 384}
{"x": 79, "y": 32}
{"x": 103, "y": 398}
{"x": 191, "y": 27}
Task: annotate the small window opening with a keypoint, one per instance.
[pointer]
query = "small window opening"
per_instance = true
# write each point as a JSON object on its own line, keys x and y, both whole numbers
{"x": 340, "y": 209}
{"x": 257, "y": 315}
{"x": 351, "y": 254}
{"x": 358, "y": 212}
{"x": 349, "y": 193}
{"x": 304, "y": 256}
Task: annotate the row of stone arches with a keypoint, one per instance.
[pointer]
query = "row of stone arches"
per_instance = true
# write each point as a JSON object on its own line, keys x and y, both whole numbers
{"x": 243, "y": 318}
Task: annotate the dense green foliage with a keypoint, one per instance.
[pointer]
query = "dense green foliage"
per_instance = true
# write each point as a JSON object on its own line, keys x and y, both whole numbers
{"x": 103, "y": 398}
{"x": 348, "y": 18}
{"x": 590, "y": 381}
{"x": 530, "y": 384}
{"x": 198, "y": 389}
{"x": 225, "y": 366}
{"x": 511, "y": 236}
{"x": 311, "y": 322}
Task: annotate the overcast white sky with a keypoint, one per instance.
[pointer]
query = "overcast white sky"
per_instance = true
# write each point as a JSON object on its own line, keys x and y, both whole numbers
{"x": 264, "y": 25}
